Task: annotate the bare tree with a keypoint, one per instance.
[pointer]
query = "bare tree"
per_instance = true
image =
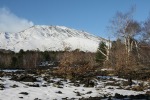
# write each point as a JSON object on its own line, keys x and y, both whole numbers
{"x": 123, "y": 26}
{"x": 76, "y": 62}
{"x": 125, "y": 52}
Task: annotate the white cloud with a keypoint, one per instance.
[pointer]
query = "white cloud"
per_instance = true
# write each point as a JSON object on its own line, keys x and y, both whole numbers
{"x": 9, "y": 22}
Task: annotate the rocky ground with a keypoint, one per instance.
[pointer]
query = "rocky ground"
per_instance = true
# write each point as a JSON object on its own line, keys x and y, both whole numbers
{"x": 43, "y": 85}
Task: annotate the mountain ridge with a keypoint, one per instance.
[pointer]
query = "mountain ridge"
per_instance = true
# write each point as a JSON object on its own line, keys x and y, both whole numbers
{"x": 50, "y": 38}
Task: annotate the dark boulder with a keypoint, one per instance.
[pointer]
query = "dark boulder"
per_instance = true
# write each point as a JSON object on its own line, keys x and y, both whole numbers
{"x": 24, "y": 93}
{"x": 24, "y": 78}
{"x": 118, "y": 96}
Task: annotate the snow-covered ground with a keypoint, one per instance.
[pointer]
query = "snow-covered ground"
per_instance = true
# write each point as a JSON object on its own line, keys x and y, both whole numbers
{"x": 51, "y": 90}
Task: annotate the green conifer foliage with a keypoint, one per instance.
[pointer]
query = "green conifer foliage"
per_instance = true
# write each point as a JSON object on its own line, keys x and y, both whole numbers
{"x": 100, "y": 58}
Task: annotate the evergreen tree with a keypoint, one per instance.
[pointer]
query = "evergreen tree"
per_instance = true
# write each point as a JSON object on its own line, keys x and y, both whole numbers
{"x": 46, "y": 56}
{"x": 100, "y": 57}
{"x": 14, "y": 62}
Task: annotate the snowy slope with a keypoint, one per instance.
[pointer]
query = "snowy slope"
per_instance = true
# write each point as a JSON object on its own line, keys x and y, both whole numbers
{"x": 53, "y": 38}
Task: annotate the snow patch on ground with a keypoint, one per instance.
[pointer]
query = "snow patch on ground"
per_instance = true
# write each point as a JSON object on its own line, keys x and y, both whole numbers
{"x": 51, "y": 91}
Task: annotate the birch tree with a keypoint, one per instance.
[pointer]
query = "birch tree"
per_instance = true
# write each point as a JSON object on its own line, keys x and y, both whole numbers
{"x": 124, "y": 26}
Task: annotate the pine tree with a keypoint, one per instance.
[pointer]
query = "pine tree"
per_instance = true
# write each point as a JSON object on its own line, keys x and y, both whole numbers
{"x": 14, "y": 62}
{"x": 101, "y": 52}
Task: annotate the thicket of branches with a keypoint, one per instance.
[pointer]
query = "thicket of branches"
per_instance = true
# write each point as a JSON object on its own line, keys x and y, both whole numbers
{"x": 76, "y": 63}
{"x": 67, "y": 60}
{"x": 129, "y": 55}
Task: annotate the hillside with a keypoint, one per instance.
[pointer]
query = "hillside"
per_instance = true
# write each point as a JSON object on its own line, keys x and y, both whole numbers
{"x": 51, "y": 38}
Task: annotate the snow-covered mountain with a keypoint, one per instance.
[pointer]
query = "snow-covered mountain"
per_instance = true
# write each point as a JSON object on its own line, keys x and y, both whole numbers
{"x": 51, "y": 38}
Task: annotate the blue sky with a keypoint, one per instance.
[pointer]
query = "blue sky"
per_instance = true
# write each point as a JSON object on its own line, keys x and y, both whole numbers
{"x": 92, "y": 16}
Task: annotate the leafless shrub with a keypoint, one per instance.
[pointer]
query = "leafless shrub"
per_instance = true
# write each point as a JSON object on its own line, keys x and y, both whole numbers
{"x": 76, "y": 63}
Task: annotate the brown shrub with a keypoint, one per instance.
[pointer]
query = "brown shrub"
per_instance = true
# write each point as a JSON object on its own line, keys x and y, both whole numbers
{"x": 76, "y": 63}
{"x": 137, "y": 88}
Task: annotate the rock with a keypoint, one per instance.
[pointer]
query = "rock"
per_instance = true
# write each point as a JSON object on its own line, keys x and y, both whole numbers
{"x": 66, "y": 98}
{"x": 14, "y": 86}
{"x": 109, "y": 98}
{"x": 37, "y": 99}
{"x": 119, "y": 87}
{"x": 44, "y": 85}
{"x": 59, "y": 92}
{"x": 78, "y": 94}
{"x": 148, "y": 92}
{"x": 112, "y": 84}
{"x": 59, "y": 83}
{"x": 1, "y": 74}
{"x": 125, "y": 83}
{"x": 50, "y": 81}
{"x": 24, "y": 93}
{"x": 2, "y": 86}
{"x": 111, "y": 88}
{"x": 34, "y": 85}
{"x": 73, "y": 98}
{"x": 91, "y": 98}
{"x": 89, "y": 92}
{"x": 89, "y": 83}
{"x": 47, "y": 78}
{"x": 139, "y": 97}
{"x": 28, "y": 79}
{"x": 77, "y": 84}
{"x": 59, "y": 86}
{"x": 137, "y": 88}
{"x": 118, "y": 96}
{"x": 14, "y": 77}
{"x": 31, "y": 72}
{"x": 24, "y": 78}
